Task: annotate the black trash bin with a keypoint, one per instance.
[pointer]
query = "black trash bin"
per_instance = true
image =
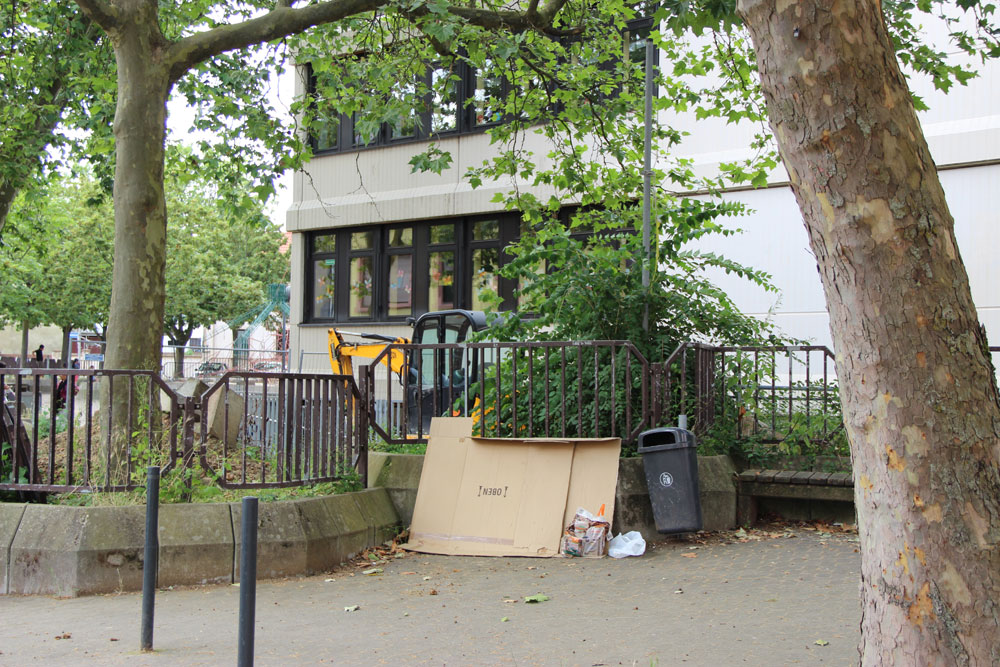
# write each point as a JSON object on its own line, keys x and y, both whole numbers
{"x": 670, "y": 458}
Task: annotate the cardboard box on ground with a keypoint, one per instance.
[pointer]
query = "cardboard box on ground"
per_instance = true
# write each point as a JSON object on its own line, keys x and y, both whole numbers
{"x": 507, "y": 497}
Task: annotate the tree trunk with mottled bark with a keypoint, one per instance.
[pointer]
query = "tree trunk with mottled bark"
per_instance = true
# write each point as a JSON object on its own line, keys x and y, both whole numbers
{"x": 135, "y": 322}
{"x": 918, "y": 390}
{"x": 137, "y": 293}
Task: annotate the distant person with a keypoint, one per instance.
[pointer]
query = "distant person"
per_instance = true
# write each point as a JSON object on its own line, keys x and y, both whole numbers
{"x": 40, "y": 353}
{"x": 76, "y": 363}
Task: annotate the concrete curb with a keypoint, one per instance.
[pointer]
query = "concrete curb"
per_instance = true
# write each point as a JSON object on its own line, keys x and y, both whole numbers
{"x": 196, "y": 544}
{"x": 70, "y": 551}
{"x": 10, "y": 519}
{"x": 399, "y": 475}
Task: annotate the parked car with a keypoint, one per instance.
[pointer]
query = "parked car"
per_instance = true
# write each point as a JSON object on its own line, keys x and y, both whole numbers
{"x": 208, "y": 369}
{"x": 266, "y": 367}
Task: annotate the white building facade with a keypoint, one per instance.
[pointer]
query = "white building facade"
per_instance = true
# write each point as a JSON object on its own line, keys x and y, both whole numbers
{"x": 373, "y": 243}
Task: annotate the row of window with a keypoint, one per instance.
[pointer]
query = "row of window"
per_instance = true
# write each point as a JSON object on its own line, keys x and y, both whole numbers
{"x": 467, "y": 104}
{"x": 391, "y": 272}
{"x": 468, "y": 101}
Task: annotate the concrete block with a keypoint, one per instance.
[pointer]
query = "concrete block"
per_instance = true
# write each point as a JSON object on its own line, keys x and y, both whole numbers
{"x": 716, "y": 486}
{"x": 192, "y": 388}
{"x": 399, "y": 475}
{"x": 220, "y": 404}
{"x": 376, "y": 508}
{"x": 196, "y": 544}
{"x": 10, "y": 519}
{"x": 281, "y": 539}
{"x": 70, "y": 551}
{"x": 354, "y": 535}
{"x": 633, "y": 510}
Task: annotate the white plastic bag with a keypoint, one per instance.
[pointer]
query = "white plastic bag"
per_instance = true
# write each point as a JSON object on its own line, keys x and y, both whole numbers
{"x": 629, "y": 544}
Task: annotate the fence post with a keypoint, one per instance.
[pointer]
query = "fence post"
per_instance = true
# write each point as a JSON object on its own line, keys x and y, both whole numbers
{"x": 248, "y": 582}
{"x": 149, "y": 562}
{"x": 187, "y": 445}
{"x": 367, "y": 377}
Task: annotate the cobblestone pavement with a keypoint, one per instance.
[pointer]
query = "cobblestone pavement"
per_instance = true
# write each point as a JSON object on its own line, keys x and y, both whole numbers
{"x": 728, "y": 599}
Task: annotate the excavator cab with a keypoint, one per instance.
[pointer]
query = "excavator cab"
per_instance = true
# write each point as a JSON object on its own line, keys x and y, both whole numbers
{"x": 438, "y": 378}
{"x": 434, "y": 379}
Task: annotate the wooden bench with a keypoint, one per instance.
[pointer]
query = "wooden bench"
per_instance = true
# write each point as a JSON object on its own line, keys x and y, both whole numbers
{"x": 754, "y": 484}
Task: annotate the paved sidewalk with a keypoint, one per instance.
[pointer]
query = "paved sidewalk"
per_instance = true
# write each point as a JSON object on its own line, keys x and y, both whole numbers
{"x": 727, "y": 602}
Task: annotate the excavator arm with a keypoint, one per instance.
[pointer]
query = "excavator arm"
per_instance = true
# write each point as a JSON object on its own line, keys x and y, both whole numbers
{"x": 341, "y": 352}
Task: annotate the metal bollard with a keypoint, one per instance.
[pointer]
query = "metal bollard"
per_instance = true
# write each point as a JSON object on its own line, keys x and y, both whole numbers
{"x": 248, "y": 581}
{"x": 149, "y": 561}
{"x": 682, "y": 421}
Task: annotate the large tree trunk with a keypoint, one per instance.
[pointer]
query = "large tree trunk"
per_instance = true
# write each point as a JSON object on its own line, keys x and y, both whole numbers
{"x": 918, "y": 392}
{"x": 135, "y": 320}
{"x": 137, "y": 294}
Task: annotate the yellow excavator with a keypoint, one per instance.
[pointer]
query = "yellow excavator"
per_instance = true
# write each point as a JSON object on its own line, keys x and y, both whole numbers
{"x": 432, "y": 378}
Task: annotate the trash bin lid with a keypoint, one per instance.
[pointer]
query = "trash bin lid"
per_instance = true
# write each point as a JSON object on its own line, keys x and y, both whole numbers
{"x": 662, "y": 439}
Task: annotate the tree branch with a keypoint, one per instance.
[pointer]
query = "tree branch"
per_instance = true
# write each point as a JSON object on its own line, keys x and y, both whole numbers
{"x": 281, "y": 21}
{"x": 100, "y": 13}
{"x": 285, "y": 20}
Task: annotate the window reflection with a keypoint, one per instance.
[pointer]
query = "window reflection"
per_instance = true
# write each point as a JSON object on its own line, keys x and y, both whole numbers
{"x": 442, "y": 233}
{"x": 488, "y": 96}
{"x": 444, "y": 105}
{"x": 441, "y": 284}
{"x": 401, "y": 237}
{"x": 362, "y": 240}
{"x": 323, "y": 288}
{"x": 486, "y": 230}
{"x": 485, "y": 282}
{"x": 400, "y": 285}
{"x": 361, "y": 287}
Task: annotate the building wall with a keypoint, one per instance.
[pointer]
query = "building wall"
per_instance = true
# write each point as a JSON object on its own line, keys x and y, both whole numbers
{"x": 962, "y": 129}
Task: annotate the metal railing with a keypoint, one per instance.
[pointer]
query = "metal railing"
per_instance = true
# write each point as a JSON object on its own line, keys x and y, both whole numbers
{"x": 513, "y": 389}
{"x": 56, "y": 437}
{"x": 60, "y": 432}
{"x": 282, "y": 429}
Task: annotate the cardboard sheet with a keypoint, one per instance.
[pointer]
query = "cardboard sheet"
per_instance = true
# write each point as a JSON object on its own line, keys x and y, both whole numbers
{"x": 506, "y": 496}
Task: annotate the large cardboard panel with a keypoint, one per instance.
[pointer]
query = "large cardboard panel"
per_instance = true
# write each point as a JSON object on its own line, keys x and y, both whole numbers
{"x": 507, "y": 497}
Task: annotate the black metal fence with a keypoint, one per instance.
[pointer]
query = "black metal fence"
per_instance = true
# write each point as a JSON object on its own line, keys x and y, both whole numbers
{"x": 767, "y": 393}
{"x": 512, "y": 389}
{"x": 254, "y": 429}
{"x": 607, "y": 388}
{"x": 88, "y": 430}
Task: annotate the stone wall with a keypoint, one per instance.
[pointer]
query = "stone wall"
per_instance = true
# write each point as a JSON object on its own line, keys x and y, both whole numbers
{"x": 67, "y": 551}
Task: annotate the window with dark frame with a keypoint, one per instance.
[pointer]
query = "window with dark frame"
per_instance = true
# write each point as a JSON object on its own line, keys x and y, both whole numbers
{"x": 463, "y": 107}
{"x": 391, "y": 272}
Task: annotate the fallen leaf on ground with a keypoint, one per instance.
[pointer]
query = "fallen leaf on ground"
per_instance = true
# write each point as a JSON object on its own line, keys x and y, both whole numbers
{"x": 427, "y": 578}
{"x": 689, "y": 555}
{"x": 821, "y": 642}
{"x": 536, "y": 598}
{"x": 678, "y": 591}
{"x": 329, "y": 580}
{"x": 353, "y": 607}
{"x": 374, "y": 570}
{"x": 407, "y": 572}
{"x": 433, "y": 591}
{"x": 510, "y": 601}
{"x": 504, "y": 619}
